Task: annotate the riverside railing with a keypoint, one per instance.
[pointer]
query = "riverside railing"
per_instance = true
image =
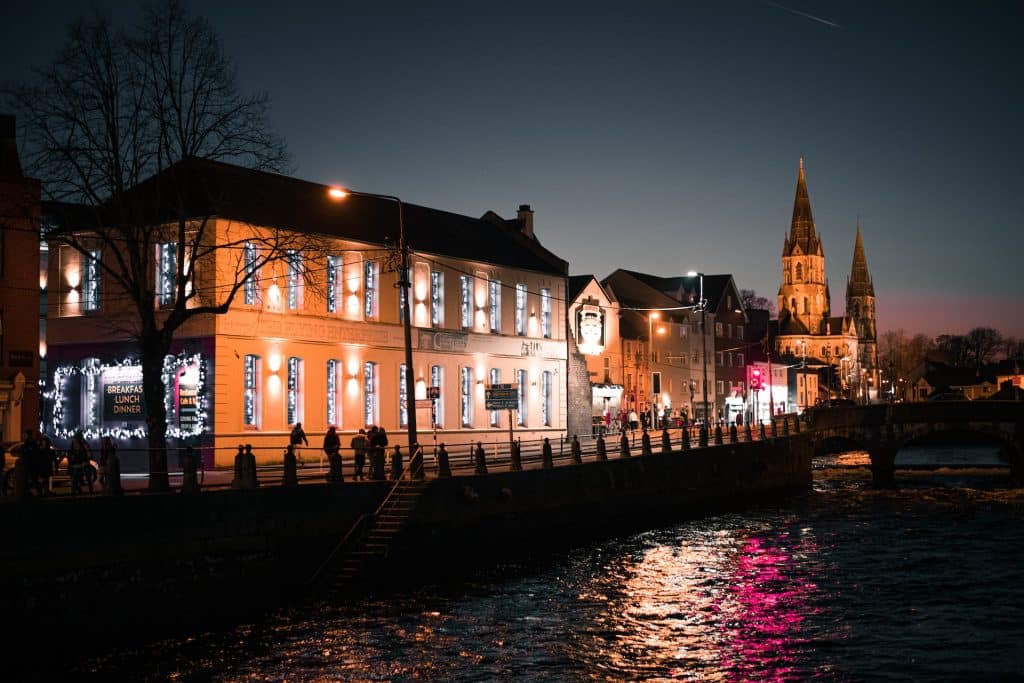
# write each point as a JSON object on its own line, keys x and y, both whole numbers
{"x": 498, "y": 456}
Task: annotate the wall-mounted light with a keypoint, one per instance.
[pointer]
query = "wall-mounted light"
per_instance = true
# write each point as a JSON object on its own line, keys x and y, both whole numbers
{"x": 274, "y": 362}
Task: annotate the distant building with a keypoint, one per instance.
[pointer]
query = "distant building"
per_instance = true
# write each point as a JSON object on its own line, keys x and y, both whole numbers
{"x": 488, "y": 307}
{"x": 845, "y": 347}
{"x": 594, "y": 330}
{"x": 20, "y": 350}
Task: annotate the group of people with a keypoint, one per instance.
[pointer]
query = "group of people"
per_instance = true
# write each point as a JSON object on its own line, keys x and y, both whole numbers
{"x": 368, "y": 442}
{"x": 42, "y": 462}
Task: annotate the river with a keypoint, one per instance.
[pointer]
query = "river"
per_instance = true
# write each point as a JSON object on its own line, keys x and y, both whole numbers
{"x": 848, "y": 583}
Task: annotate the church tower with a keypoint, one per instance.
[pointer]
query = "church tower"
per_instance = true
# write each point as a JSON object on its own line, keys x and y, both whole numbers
{"x": 860, "y": 305}
{"x": 804, "y": 296}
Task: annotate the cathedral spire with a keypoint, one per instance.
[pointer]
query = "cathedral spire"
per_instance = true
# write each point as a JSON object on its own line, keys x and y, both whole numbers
{"x": 801, "y": 230}
{"x": 859, "y": 283}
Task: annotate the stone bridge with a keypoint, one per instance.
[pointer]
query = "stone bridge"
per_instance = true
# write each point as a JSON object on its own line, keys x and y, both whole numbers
{"x": 882, "y": 430}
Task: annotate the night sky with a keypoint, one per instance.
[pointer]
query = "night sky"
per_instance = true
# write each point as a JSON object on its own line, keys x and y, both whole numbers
{"x": 662, "y": 136}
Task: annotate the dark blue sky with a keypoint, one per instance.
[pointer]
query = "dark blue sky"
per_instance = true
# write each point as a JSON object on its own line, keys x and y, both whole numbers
{"x": 663, "y": 136}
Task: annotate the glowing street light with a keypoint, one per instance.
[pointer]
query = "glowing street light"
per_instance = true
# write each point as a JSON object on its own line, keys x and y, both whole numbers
{"x": 404, "y": 283}
{"x": 704, "y": 346}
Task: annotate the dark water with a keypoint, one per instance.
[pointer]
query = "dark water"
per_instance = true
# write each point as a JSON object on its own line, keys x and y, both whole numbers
{"x": 848, "y": 584}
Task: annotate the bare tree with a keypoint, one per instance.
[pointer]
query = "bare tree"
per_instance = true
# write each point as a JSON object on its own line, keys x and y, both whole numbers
{"x": 983, "y": 345}
{"x": 111, "y": 127}
{"x": 753, "y": 302}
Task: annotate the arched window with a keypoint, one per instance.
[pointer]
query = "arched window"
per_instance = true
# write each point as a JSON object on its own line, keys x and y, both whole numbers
{"x": 792, "y": 305}
{"x": 799, "y": 272}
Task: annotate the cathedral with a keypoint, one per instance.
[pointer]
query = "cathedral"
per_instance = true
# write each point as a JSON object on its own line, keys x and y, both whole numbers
{"x": 845, "y": 347}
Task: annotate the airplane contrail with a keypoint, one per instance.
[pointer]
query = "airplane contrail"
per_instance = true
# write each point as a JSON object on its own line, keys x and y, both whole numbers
{"x": 803, "y": 14}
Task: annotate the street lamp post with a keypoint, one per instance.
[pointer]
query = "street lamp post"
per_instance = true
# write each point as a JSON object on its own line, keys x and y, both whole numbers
{"x": 704, "y": 352}
{"x": 405, "y": 286}
{"x": 652, "y": 316}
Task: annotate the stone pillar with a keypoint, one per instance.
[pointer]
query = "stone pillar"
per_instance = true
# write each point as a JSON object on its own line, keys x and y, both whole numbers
{"x": 734, "y": 434}
{"x": 686, "y": 438}
{"x": 515, "y": 458}
{"x": 444, "y": 468}
{"x": 396, "y": 463}
{"x": 702, "y": 439}
{"x": 290, "y": 472}
{"x": 718, "y": 435}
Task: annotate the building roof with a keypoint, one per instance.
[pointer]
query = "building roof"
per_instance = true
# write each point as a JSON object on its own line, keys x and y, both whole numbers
{"x": 577, "y": 283}
{"x": 681, "y": 290}
{"x": 213, "y": 188}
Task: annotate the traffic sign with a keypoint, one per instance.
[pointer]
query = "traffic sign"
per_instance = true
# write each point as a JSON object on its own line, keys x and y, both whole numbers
{"x": 501, "y": 397}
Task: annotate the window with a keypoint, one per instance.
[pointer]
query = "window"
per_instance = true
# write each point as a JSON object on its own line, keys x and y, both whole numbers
{"x": 437, "y": 380}
{"x": 718, "y": 329}
{"x": 250, "y": 293}
{"x": 294, "y": 390}
{"x": 494, "y": 287}
{"x": 370, "y": 392}
{"x": 436, "y": 298}
{"x": 720, "y": 387}
{"x": 466, "y": 301}
{"x": 333, "y": 382}
{"x": 545, "y": 398}
{"x": 740, "y": 360}
{"x": 792, "y": 305}
{"x": 545, "y": 313}
{"x": 371, "y": 275}
{"x": 799, "y": 272}
{"x": 403, "y": 398}
{"x": 466, "y": 396}
{"x": 333, "y": 283}
{"x": 807, "y": 307}
{"x": 91, "y": 282}
{"x": 739, "y": 331}
{"x": 166, "y": 270}
{"x": 521, "y": 309}
{"x": 720, "y": 358}
{"x": 251, "y": 392}
{"x": 294, "y": 258}
{"x": 524, "y": 383}
{"x": 495, "y": 378}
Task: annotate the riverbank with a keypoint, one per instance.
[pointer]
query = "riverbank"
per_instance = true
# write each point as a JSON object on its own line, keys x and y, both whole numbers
{"x": 148, "y": 564}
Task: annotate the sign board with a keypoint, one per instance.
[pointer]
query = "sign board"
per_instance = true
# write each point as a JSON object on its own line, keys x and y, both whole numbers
{"x": 433, "y": 392}
{"x": 501, "y": 397}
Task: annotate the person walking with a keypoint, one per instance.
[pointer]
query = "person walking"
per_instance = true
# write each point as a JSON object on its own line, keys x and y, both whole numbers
{"x": 547, "y": 460}
{"x": 634, "y": 420}
{"x": 358, "y": 445}
{"x": 577, "y": 453}
{"x": 297, "y": 440}
{"x": 479, "y": 459}
{"x": 332, "y": 449}
{"x": 78, "y": 456}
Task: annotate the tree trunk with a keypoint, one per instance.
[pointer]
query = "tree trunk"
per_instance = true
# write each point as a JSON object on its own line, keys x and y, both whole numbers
{"x": 153, "y": 349}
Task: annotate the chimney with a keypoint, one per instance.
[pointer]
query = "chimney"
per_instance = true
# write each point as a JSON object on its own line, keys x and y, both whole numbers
{"x": 10, "y": 166}
{"x": 525, "y": 217}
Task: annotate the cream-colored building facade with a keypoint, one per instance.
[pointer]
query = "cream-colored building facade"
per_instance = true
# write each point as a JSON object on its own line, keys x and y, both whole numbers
{"x": 317, "y": 336}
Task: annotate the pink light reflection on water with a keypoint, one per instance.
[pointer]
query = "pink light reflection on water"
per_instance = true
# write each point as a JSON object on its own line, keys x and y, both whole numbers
{"x": 764, "y": 608}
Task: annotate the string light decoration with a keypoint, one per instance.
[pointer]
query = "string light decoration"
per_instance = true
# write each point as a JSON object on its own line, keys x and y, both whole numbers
{"x": 91, "y": 369}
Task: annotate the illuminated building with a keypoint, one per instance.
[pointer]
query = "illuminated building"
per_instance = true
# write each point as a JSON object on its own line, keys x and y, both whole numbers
{"x": 317, "y": 337}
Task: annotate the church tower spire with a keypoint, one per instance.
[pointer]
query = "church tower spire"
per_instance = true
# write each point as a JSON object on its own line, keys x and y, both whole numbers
{"x": 803, "y": 296}
{"x": 860, "y": 305}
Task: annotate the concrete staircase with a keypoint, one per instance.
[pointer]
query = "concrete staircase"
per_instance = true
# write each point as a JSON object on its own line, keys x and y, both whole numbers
{"x": 370, "y": 539}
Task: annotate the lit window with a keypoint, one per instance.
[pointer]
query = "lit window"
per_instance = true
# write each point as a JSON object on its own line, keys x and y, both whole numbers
{"x": 466, "y": 301}
{"x": 799, "y": 272}
{"x": 403, "y": 398}
{"x": 521, "y": 308}
{"x": 466, "y": 396}
{"x": 545, "y": 312}
{"x": 720, "y": 384}
{"x": 718, "y": 329}
{"x": 545, "y": 398}
{"x": 166, "y": 269}
{"x": 333, "y": 283}
{"x": 251, "y": 291}
{"x": 370, "y": 392}
{"x": 251, "y": 395}
{"x": 294, "y": 390}
{"x": 523, "y": 378}
{"x": 91, "y": 282}
{"x": 371, "y": 274}
{"x": 294, "y": 258}
{"x": 437, "y": 380}
{"x": 739, "y": 331}
{"x": 495, "y": 297}
{"x": 333, "y": 382}
{"x": 495, "y": 379}
{"x": 436, "y": 298}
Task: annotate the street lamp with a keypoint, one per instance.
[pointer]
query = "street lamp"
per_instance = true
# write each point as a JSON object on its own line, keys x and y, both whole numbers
{"x": 404, "y": 284}
{"x": 652, "y": 316}
{"x": 704, "y": 350}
